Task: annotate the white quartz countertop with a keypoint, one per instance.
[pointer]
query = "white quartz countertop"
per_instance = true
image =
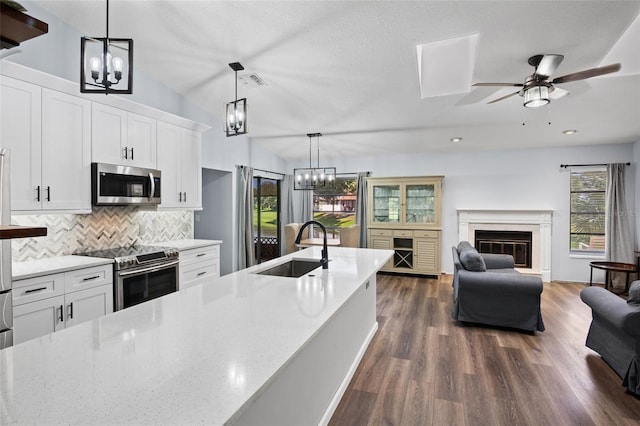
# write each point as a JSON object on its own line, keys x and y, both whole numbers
{"x": 54, "y": 265}
{"x": 198, "y": 356}
{"x": 187, "y": 244}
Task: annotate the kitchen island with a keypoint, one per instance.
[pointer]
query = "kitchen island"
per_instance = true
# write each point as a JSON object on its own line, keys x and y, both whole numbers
{"x": 241, "y": 349}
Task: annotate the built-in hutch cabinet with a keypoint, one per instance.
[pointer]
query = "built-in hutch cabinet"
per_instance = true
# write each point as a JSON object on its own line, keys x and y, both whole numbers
{"x": 49, "y": 135}
{"x": 404, "y": 216}
{"x": 49, "y": 303}
{"x": 54, "y": 133}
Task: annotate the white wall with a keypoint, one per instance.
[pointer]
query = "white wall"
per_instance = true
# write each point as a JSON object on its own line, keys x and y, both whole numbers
{"x": 508, "y": 179}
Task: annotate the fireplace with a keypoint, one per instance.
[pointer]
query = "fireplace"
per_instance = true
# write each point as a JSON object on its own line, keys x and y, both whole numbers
{"x": 514, "y": 243}
{"x": 536, "y": 222}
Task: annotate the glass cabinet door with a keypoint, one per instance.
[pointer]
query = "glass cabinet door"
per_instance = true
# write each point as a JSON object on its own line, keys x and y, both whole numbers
{"x": 386, "y": 203}
{"x": 420, "y": 204}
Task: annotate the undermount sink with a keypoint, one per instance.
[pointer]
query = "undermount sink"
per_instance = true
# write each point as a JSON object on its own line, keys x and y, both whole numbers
{"x": 294, "y": 268}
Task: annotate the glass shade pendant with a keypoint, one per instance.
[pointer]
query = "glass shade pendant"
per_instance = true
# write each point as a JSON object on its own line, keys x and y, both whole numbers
{"x": 236, "y": 111}
{"x": 106, "y": 64}
{"x": 536, "y": 96}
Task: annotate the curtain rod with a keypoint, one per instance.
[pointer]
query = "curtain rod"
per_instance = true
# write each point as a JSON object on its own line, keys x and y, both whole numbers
{"x": 564, "y": 166}
{"x": 262, "y": 170}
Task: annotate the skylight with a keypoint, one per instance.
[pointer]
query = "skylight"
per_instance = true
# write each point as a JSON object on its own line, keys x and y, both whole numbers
{"x": 446, "y": 67}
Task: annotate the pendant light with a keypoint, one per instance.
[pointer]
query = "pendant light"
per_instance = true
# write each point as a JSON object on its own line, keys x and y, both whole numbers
{"x": 106, "y": 64}
{"x": 236, "y": 111}
{"x": 314, "y": 177}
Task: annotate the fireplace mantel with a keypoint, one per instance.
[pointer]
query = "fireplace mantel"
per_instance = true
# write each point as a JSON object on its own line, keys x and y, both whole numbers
{"x": 538, "y": 222}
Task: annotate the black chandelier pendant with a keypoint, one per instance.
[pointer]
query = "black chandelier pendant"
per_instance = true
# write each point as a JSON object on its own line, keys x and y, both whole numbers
{"x": 310, "y": 178}
{"x": 106, "y": 64}
{"x": 236, "y": 111}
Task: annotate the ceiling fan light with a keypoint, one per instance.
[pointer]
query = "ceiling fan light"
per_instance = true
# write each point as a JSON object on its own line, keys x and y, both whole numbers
{"x": 536, "y": 96}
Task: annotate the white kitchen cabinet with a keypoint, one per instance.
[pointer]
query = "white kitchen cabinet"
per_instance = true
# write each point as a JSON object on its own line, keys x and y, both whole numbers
{"x": 179, "y": 160}
{"x": 123, "y": 138}
{"x": 20, "y": 131}
{"x": 66, "y": 152}
{"x": 198, "y": 265}
{"x": 48, "y": 303}
{"x": 48, "y": 133}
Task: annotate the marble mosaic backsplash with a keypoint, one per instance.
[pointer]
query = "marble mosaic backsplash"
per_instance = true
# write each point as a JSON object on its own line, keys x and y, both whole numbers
{"x": 106, "y": 227}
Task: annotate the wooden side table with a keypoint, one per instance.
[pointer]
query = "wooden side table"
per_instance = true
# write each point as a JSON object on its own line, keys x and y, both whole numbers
{"x": 628, "y": 268}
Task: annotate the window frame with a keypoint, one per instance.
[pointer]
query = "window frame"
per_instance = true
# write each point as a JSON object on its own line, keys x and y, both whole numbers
{"x": 333, "y": 231}
{"x": 576, "y": 252}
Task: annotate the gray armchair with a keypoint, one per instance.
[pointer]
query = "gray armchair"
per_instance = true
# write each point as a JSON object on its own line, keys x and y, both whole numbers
{"x": 615, "y": 332}
{"x": 488, "y": 290}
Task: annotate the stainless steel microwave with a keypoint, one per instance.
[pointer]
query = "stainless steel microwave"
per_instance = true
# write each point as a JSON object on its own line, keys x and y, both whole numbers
{"x": 122, "y": 185}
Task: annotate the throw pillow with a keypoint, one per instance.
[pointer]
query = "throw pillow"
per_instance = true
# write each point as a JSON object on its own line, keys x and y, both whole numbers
{"x": 463, "y": 245}
{"x": 472, "y": 260}
{"x": 634, "y": 293}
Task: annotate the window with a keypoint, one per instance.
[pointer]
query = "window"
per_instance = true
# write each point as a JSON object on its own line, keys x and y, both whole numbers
{"x": 588, "y": 210}
{"x": 335, "y": 207}
{"x": 266, "y": 201}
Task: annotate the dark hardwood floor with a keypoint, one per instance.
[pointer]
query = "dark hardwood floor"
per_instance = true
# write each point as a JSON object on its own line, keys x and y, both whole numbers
{"x": 423, "y": 368}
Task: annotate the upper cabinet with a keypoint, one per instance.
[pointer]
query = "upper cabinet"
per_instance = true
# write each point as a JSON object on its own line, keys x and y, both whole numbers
{"x": 179, "y": 160}
{"x": 49, "y": 135}
{"x": 405, "y": 202}
{"x": 54, "y": 134}
{"x": 121, "y": 137}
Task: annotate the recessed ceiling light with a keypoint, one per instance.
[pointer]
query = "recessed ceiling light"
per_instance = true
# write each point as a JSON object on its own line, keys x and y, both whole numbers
{"x": 456, "y": 139}
{"x": 569, "y": 132}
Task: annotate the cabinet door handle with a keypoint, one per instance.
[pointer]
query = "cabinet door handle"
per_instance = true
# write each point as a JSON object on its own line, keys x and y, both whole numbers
{"x": 38, "y": 193}
{"x": 180, "y": 196}
{"x": 71, "y": 310}
{"x": 33, "y": 290}
{"x": 126, "y": 153}
{"x": 48, "y": 193}
{"x": 95, "y": 277}
{"x": 132, "y": 153}
{"x": 185, "y": 196}
{"x": 60, "y": 317}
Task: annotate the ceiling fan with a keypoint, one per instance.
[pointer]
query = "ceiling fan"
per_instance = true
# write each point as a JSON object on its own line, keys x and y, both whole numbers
{"x": 538, "y": 90}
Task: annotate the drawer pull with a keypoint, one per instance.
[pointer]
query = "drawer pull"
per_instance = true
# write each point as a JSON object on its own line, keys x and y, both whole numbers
{"x": 33, "y": 290}
{"x": 201, "y": 254}
{"x": 201, "y": 273}
{"x": 95, "y": 277}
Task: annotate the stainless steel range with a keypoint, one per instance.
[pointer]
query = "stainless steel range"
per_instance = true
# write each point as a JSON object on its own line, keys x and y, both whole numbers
{"x": 141, "y": 273}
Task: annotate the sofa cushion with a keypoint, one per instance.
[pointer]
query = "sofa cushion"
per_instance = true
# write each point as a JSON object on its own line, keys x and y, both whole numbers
{"x": 634, "y": 293}
{"x": 471, "y": 260}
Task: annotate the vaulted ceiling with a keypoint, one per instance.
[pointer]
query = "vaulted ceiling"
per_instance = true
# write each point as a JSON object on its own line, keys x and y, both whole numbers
{"x": 349, "y": 69}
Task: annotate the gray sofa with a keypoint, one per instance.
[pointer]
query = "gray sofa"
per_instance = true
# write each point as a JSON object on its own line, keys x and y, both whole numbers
{"x": 615, "y": 331}
{"x": 488, "y": 290}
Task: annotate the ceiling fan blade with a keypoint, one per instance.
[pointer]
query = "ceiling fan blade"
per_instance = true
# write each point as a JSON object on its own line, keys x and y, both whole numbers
{"x": 497, "y": 84}
{"x": 504, "y": 97}
{"x": 548, "y": 65}
{"x": 558, "y": 93}
{"x": 581, "y": 75}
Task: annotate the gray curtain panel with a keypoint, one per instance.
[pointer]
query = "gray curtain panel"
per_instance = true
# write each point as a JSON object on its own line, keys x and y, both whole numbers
{"x": 361, "y": 207}
{"x": 619, "y": 241}
{"x": 286, "y": 208}
{"x": 244, "y": 200}
{"x": 307, "y": 208}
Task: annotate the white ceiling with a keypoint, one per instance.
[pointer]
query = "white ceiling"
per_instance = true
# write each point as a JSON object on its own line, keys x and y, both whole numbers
{"x": 349, "y": 69}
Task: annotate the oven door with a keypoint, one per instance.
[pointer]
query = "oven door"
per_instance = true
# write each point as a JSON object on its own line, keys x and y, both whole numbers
{"x": 134, "y": 286}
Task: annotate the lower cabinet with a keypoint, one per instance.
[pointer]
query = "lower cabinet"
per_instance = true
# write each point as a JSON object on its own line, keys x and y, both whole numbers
{"x": 48, "y": 303}
{"x": 415, "y": 251}
{"x": 198, "y": 265}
